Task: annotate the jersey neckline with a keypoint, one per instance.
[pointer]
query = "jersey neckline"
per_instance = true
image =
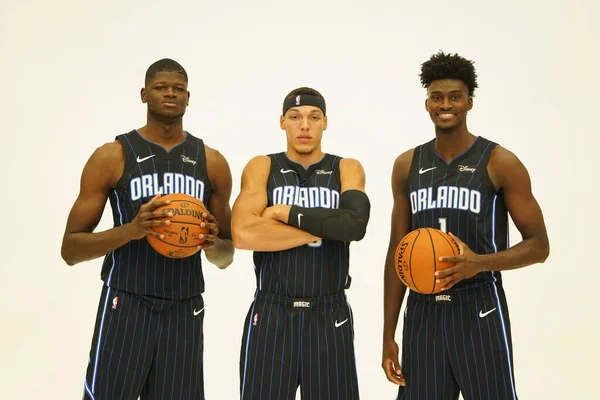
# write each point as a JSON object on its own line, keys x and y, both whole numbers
{"x": 187, "y": 135}
{"x": 455, "y": 158}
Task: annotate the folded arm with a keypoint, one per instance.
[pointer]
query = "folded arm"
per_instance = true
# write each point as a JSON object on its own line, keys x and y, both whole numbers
{"x": 348, "y": 222}
{"x": 250, "y": 229}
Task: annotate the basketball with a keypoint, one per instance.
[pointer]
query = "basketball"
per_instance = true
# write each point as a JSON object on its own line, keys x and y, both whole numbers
{"x": 417, "y": 258}
{"x": 181, "y": 236}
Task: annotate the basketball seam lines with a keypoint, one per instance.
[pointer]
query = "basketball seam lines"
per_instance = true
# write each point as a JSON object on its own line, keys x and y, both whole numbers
{"x": 434, "y": 260}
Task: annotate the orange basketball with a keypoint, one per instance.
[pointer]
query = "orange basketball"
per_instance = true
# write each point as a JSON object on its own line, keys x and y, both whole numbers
{"x": 417, "y": 258}
{"x": 181, "y": 236}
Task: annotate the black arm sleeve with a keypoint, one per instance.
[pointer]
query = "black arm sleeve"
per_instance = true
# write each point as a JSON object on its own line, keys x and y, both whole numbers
{"x": 347, "y": 223}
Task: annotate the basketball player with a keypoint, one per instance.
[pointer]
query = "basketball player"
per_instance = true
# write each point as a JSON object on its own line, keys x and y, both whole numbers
{"x": 458, "y": 340}
{"x": 148, "y": 339}
{"x": 299, "y": 211}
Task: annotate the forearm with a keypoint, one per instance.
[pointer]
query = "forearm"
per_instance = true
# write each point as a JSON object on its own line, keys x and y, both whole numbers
{"x": 84, "y": 246}
{"x": 393, "y": 295}
{"x": 333, "y": 224}
{"x": 530, "y": 251}
{"x": 265, "y": 234}
{"x": 221, "y": 253}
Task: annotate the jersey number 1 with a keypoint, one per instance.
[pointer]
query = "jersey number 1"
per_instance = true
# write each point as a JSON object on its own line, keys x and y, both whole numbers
{"x": 443, "y": 226}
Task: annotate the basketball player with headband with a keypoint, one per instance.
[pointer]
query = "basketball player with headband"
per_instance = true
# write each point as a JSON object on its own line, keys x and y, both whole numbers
{"x": 299, "y": 210}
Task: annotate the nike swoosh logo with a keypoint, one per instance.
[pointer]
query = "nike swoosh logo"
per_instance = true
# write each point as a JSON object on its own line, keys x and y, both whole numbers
{"x": 483, "y": 314}
{"x": 139, "y": 160}
{"x": 198, "y": 312}
{"x": 299, "y": 216}
{"x": 338, "y": 324}
{"x": 285, "y": 171}
{"x": 422, "y": 171}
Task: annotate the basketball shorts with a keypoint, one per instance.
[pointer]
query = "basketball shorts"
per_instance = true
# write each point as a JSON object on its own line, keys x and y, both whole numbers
{"x": 146, "y": 347}
{"x": 290, "y": 343}
{"x": 457, "y": 342}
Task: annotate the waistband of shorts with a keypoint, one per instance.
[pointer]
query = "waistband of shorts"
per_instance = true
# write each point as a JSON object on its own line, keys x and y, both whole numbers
{"x": 303, "y": 304}
{"x": 456, "y": 296}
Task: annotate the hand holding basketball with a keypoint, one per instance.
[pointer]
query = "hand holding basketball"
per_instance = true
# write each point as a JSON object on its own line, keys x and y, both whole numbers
{"x": 147, "y": 217}
{"x": 185, "y": 231}
{"x": 418, "y": 255}
{"x": 211, "y": 223}
{"x": 467, "y": 264}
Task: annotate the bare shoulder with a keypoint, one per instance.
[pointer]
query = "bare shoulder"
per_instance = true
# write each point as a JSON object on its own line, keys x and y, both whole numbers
{"x": 214, "y": 156}
{"x": 404, "y": 159}
{"x": 109, "y": 159}
{"x": 352, "y": 175}
{"x": 351, "y": 164}
{"x": 502, "y": 157}
{"x": 504, "y": 166}
{"x": 402, "y": 165}
{"x": 105, "y": 166}
{"x": 110, "y": 152}
{"x": 259, "y": 163}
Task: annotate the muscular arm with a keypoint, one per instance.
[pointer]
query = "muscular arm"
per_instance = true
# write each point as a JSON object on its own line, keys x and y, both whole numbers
{"x": 394, "y": 290}
{"x": 347, "y": 223}
{"x": 221, "y": 253}
{"x": 508, "y": 173}
{"x": 99, "y": 176}
{"x": 250, "y": 230}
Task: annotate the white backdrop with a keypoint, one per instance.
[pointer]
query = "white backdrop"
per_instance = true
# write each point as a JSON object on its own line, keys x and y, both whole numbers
{"x": 71, "y": 75}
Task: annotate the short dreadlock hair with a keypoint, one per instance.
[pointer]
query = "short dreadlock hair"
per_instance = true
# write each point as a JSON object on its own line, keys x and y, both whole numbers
{"x": 449, "y": 66}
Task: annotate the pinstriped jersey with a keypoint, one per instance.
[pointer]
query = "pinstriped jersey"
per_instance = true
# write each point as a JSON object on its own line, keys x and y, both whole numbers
{"x": 149, "y": 169}
{"x": 459, "y": 197}
{"x": 316, "y": 269}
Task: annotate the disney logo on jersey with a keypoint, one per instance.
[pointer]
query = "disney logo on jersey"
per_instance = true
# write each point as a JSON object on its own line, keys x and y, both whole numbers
{"x": 458, "y": 198}
{"x": 188, "y": 160}
{"x": 309, "y": 197}
{"x": 149, "y": 185}
{"x": 466, "y": 168}
{"x": 321, "y": 172}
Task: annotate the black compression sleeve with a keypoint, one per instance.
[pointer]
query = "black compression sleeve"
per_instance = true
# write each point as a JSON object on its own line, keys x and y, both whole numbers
{"x": 347, "y": 223}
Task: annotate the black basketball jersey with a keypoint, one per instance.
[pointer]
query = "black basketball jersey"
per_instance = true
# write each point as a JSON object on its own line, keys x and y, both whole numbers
{"x": 316, "y": 269}
{"x": 149, "y": 169}
{"x": 460, "y": 198}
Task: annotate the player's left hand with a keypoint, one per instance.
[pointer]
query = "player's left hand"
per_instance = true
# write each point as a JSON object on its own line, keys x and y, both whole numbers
{"x": 211, "y": 223}
{"x": 467, "y": 265}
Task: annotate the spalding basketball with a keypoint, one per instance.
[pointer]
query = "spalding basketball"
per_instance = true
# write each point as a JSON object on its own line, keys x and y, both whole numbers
{"x": 181, "y": 237}
{"x": 417, "y": 258}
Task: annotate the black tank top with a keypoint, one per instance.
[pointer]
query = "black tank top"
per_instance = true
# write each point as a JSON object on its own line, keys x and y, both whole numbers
{"x": 150, "y": 169}
{"x": 460, "y": 198}
{"x": 313, "y": 270}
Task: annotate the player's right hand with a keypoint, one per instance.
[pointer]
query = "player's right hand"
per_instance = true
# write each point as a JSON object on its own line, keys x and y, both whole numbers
{"x": 390, "y": 363}
{"x": 147, "y": 217}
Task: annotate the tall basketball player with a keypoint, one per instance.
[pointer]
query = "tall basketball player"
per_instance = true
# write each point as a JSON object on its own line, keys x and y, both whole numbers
{"x": 148, "y": 339}
{"x": 466, "y": 185}
{"x": 299, "y": 210}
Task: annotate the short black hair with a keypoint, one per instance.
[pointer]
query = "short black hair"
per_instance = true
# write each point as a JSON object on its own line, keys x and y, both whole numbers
{"x": 164, "y": 65}
{"x": 449, "y": 66}
{"x": 305, "y": 91}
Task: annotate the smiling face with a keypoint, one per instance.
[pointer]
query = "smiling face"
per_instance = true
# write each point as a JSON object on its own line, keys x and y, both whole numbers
{"x": 447, "y": 103}
{"x": 167, "y": 95}
{"x": 304, "y": 126}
